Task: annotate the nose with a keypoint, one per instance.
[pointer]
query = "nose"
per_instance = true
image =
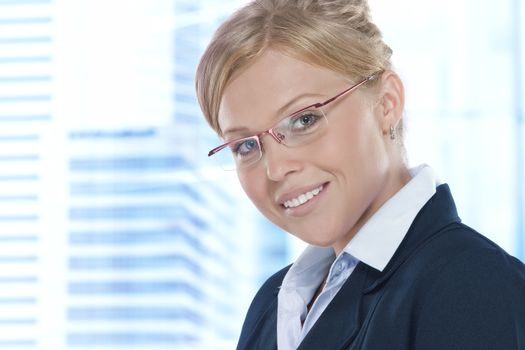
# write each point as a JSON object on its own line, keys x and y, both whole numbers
{"x": 278, "y": 159}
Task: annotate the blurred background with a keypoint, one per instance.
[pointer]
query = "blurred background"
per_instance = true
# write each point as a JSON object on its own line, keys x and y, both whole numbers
{"x": 116, "y": 231}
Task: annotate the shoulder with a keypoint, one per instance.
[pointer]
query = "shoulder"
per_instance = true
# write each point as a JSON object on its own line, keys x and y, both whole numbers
{"x": 264, "y": 301}
{"x": 467, "y": 256}
{"x": 470, "y": 292}
{"x": 460, "y": 247}
{"x": 455, "y": 262}
{"x": 459, "y": 257}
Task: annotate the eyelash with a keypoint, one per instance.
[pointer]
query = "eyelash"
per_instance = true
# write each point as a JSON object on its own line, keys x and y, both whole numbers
{"x": 240, "y": 144}
{"x": 313, "y": 114}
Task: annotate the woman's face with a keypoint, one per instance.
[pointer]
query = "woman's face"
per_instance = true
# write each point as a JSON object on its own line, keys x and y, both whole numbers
{"x": 346, "y": 174}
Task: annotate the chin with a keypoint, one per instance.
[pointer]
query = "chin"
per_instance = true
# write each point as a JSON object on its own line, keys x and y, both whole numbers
{"x": 315, "y": 240}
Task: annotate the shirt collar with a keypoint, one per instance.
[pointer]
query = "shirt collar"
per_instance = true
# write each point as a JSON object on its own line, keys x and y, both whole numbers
{"x": 376, "y": 242}
{"x": 309, "y": 267}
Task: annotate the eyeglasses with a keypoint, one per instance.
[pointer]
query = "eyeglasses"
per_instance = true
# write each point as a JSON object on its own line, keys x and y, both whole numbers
{"x": 299, "y": 128}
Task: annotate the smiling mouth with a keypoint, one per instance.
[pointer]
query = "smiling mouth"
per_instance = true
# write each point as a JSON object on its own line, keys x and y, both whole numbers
{"x": 303, "y": 198}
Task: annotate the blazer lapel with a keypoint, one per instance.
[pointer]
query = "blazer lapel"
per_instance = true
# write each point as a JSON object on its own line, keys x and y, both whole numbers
{"x": 338, "y": 324}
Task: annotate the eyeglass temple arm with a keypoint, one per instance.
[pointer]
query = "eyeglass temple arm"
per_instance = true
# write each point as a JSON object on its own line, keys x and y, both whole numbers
{"x": 350, "y": 89}
{"x": 217, "y": 149}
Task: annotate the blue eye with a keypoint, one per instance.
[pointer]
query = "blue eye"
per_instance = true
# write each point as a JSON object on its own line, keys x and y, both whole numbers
{"x": 305, "y": 120}
{"x": 245, "y": 148}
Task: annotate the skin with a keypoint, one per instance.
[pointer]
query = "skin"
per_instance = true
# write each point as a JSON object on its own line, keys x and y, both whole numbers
{"x": 355, "y": 159}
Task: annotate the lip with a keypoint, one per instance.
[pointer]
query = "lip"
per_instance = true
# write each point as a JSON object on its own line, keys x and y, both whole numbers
{"x": 305, "y": 208}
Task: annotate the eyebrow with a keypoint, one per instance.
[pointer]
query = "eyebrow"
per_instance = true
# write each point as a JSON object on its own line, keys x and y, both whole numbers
{"x": 234, "y": 130}
{"x": 279, "y": 112}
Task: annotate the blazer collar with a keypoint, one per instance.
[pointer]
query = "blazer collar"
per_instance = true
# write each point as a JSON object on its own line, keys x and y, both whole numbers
{"x": 438, "y": 212}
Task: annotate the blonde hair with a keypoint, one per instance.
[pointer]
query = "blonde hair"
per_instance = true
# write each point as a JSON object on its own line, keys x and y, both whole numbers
{"x": 334, "y": 34}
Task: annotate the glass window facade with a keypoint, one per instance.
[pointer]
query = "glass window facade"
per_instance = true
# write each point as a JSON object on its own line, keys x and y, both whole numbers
{"x": 117, "y": 232}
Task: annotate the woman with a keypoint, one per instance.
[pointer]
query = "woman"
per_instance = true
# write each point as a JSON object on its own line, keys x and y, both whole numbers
{"x": 304, "y": 96}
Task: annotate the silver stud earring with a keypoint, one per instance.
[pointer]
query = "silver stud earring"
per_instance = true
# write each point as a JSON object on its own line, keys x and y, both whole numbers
{"x": 392, "y": 133}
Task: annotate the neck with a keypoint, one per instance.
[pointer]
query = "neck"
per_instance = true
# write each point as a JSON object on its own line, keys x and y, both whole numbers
{"x": 398, "y": 179}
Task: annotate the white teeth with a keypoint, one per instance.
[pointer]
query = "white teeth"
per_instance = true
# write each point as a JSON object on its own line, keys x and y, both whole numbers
{"x": 303, "y": 198}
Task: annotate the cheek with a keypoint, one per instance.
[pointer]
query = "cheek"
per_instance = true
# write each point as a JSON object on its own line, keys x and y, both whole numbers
{"x": 246, "y": 184}
{"x": 348, "y": 143}
{"x": 255, "y": 188}
{"x": 357, "y": 152}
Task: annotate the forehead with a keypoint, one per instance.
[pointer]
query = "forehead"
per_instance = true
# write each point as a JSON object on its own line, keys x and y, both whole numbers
{"x": 253, "y": 99}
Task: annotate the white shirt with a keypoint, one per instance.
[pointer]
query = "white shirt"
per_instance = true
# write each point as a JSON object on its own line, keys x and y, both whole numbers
{"x": 374, "y": 244}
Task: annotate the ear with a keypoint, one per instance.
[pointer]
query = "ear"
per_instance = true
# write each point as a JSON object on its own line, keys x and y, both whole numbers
{"x": 391, "y": 102}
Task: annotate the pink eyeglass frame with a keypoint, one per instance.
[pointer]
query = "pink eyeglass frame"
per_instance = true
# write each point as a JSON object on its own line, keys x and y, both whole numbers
{"x": 277, "y": 137}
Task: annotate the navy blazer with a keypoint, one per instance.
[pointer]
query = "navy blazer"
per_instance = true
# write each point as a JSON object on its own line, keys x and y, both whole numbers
{"x": 446, "y": 287}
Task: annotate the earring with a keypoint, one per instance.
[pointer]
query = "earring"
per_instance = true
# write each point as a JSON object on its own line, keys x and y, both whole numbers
{"x": 392, "y": 133}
